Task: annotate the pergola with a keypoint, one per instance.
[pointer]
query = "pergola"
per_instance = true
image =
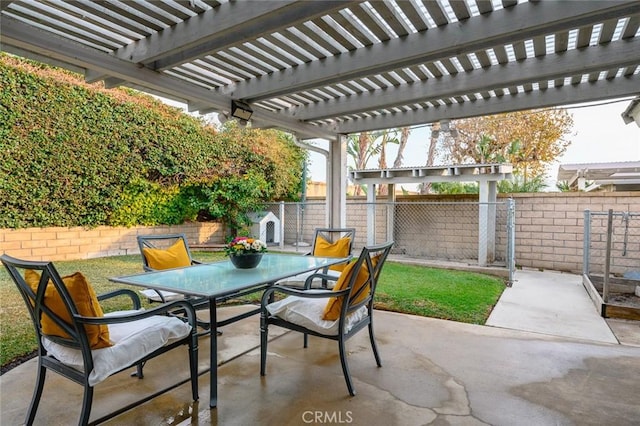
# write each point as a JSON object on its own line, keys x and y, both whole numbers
{"x": 324, "y": 69}
{"x": 487, "y": 176}
{"x": 625, "y": 174}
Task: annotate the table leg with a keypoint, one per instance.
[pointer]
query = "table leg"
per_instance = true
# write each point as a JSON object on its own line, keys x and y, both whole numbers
{"x": 213, "y": 371}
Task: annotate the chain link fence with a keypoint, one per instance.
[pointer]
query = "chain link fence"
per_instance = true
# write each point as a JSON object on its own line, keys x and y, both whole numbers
{"x": 449, "y": 231}
{"x": 612, "y": 241}
{"x": 611, "y": 266}
{"x": 298, "y": 222}
{"x": 445, "y": 231}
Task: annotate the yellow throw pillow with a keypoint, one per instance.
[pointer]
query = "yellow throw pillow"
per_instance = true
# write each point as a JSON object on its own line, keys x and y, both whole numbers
{"x": 340, "y": 248}
{"x": 334, "y": 305}
{"x": 86, "y": 301}
{"x": 175, "y": 256}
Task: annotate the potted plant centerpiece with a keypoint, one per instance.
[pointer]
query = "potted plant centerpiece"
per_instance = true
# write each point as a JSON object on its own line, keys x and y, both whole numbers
{"x": 245, "y": 252}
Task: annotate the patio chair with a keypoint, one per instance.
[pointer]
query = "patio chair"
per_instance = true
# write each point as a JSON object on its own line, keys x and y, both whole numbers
{"x": 76, "y": 340}
{"x": 164, "y": 252}
{"x": 172, "y": 251}
{"x": 336, "y": 314}
{"x": 327, "y": 242}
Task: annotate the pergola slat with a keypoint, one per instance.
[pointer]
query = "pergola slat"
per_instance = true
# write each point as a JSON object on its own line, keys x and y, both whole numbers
{"x": 370, "y": 21}
{"x": 365, "y": 63}
{"x": 391, "y": 18}
{"x": 460, "y": 9}
{"x": 483, "y": 58}
{"x": 584, "y": 37}
{"x": 435, "y": 12}
{"x": 632, "y": 27}
{"x": 322, "y": 41}
{"x": 413, "y": 15}
{"x": 608, "y": 28}
{"x": 562, "y": 41}
{"x": 484, "y": 6}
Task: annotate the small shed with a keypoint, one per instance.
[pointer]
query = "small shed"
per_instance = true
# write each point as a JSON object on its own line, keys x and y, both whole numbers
{"x": 265, "y": 226}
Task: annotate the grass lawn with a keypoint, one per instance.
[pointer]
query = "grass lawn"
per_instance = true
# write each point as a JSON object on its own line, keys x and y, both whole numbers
{"x": 438, "y": 293}
{"x": 453, "y": 295}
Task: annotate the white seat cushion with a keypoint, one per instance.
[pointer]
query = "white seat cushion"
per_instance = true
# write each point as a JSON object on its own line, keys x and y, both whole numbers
{"x": 308, "y": 313}
{"x": 131, "y": 342}
{"x": 298, "y": 280}
{"x": 169, "y": 296}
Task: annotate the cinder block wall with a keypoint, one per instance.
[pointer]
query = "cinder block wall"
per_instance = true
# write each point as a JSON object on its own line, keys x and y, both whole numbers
{"x": 550, "y": 226}
{"x": 446, "y": 228}
{"x": 357, "y": 218}
{"x": 81, "y": 243}
{"x": 549, "y": 230}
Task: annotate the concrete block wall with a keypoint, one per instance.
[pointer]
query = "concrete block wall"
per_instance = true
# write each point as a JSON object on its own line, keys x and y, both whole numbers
{"x": 444, "y": 229}
{"x": 549, "y": 230}
{"x": 357, "y": 218}
{"x": 550, "y": 226}
{"x": 313, "y": 216}
{"x": 40, "y": 244}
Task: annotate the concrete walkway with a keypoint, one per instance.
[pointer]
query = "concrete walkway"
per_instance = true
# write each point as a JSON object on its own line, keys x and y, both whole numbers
{"x": 550, "y": 303}
{"x": 533, "y": 365}
{"x": 557, "y": 304}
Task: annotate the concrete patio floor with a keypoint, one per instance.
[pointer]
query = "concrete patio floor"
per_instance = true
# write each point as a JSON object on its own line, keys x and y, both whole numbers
{"x": 545, "y": 358}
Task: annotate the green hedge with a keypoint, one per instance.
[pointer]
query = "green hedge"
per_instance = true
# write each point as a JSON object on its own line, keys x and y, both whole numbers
{"x": 76, "y": 154}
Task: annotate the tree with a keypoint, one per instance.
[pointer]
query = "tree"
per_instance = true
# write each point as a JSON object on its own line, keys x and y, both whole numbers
{"x": 435, "y": 148}
{"x": 455, "y": 187}
{"x": 363, "y": 147}
{"x": 519, "y": 184}
{"x": 530, "y": 140}
{"x": 388, "y": 136}
{"x": 404, "y": 138}
{"x": 425, "y": 188}
{"x": 564, "y": 186}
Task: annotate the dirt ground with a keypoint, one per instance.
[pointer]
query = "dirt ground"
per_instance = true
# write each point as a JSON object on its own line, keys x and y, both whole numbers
{"x": 625, "y": 299}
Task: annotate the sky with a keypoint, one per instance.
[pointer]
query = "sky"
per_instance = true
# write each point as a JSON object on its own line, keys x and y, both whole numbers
{"x": 599, "y": 135}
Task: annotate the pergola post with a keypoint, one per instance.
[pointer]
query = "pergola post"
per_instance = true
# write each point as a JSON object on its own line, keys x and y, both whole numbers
{"x": 337, "y": 183}
{"x": 391, "y": 202}
{"x": 487, "y": 222}
{"x": 371, "y": 214}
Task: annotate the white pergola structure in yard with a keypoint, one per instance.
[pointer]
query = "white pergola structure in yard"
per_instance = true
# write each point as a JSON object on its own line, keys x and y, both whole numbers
{"x": 487, "y": 176}
{"x": 324, "y": 69}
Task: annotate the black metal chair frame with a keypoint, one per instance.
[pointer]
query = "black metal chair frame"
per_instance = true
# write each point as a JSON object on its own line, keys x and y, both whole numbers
{"x": 150, "y": 241}
{"x": 364, "y": 260}
{"x": 332, "y": 235}
{"x": 199, "y": 303}
{"x": 78, "y": 338}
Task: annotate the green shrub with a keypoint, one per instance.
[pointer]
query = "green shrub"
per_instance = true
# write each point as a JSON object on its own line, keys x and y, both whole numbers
{"x": 76, "y": 154}
{"x": 147, "y": 203}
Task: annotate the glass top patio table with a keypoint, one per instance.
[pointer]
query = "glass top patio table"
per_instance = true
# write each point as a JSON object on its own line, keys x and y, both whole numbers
{"x": 220, "y": 279}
